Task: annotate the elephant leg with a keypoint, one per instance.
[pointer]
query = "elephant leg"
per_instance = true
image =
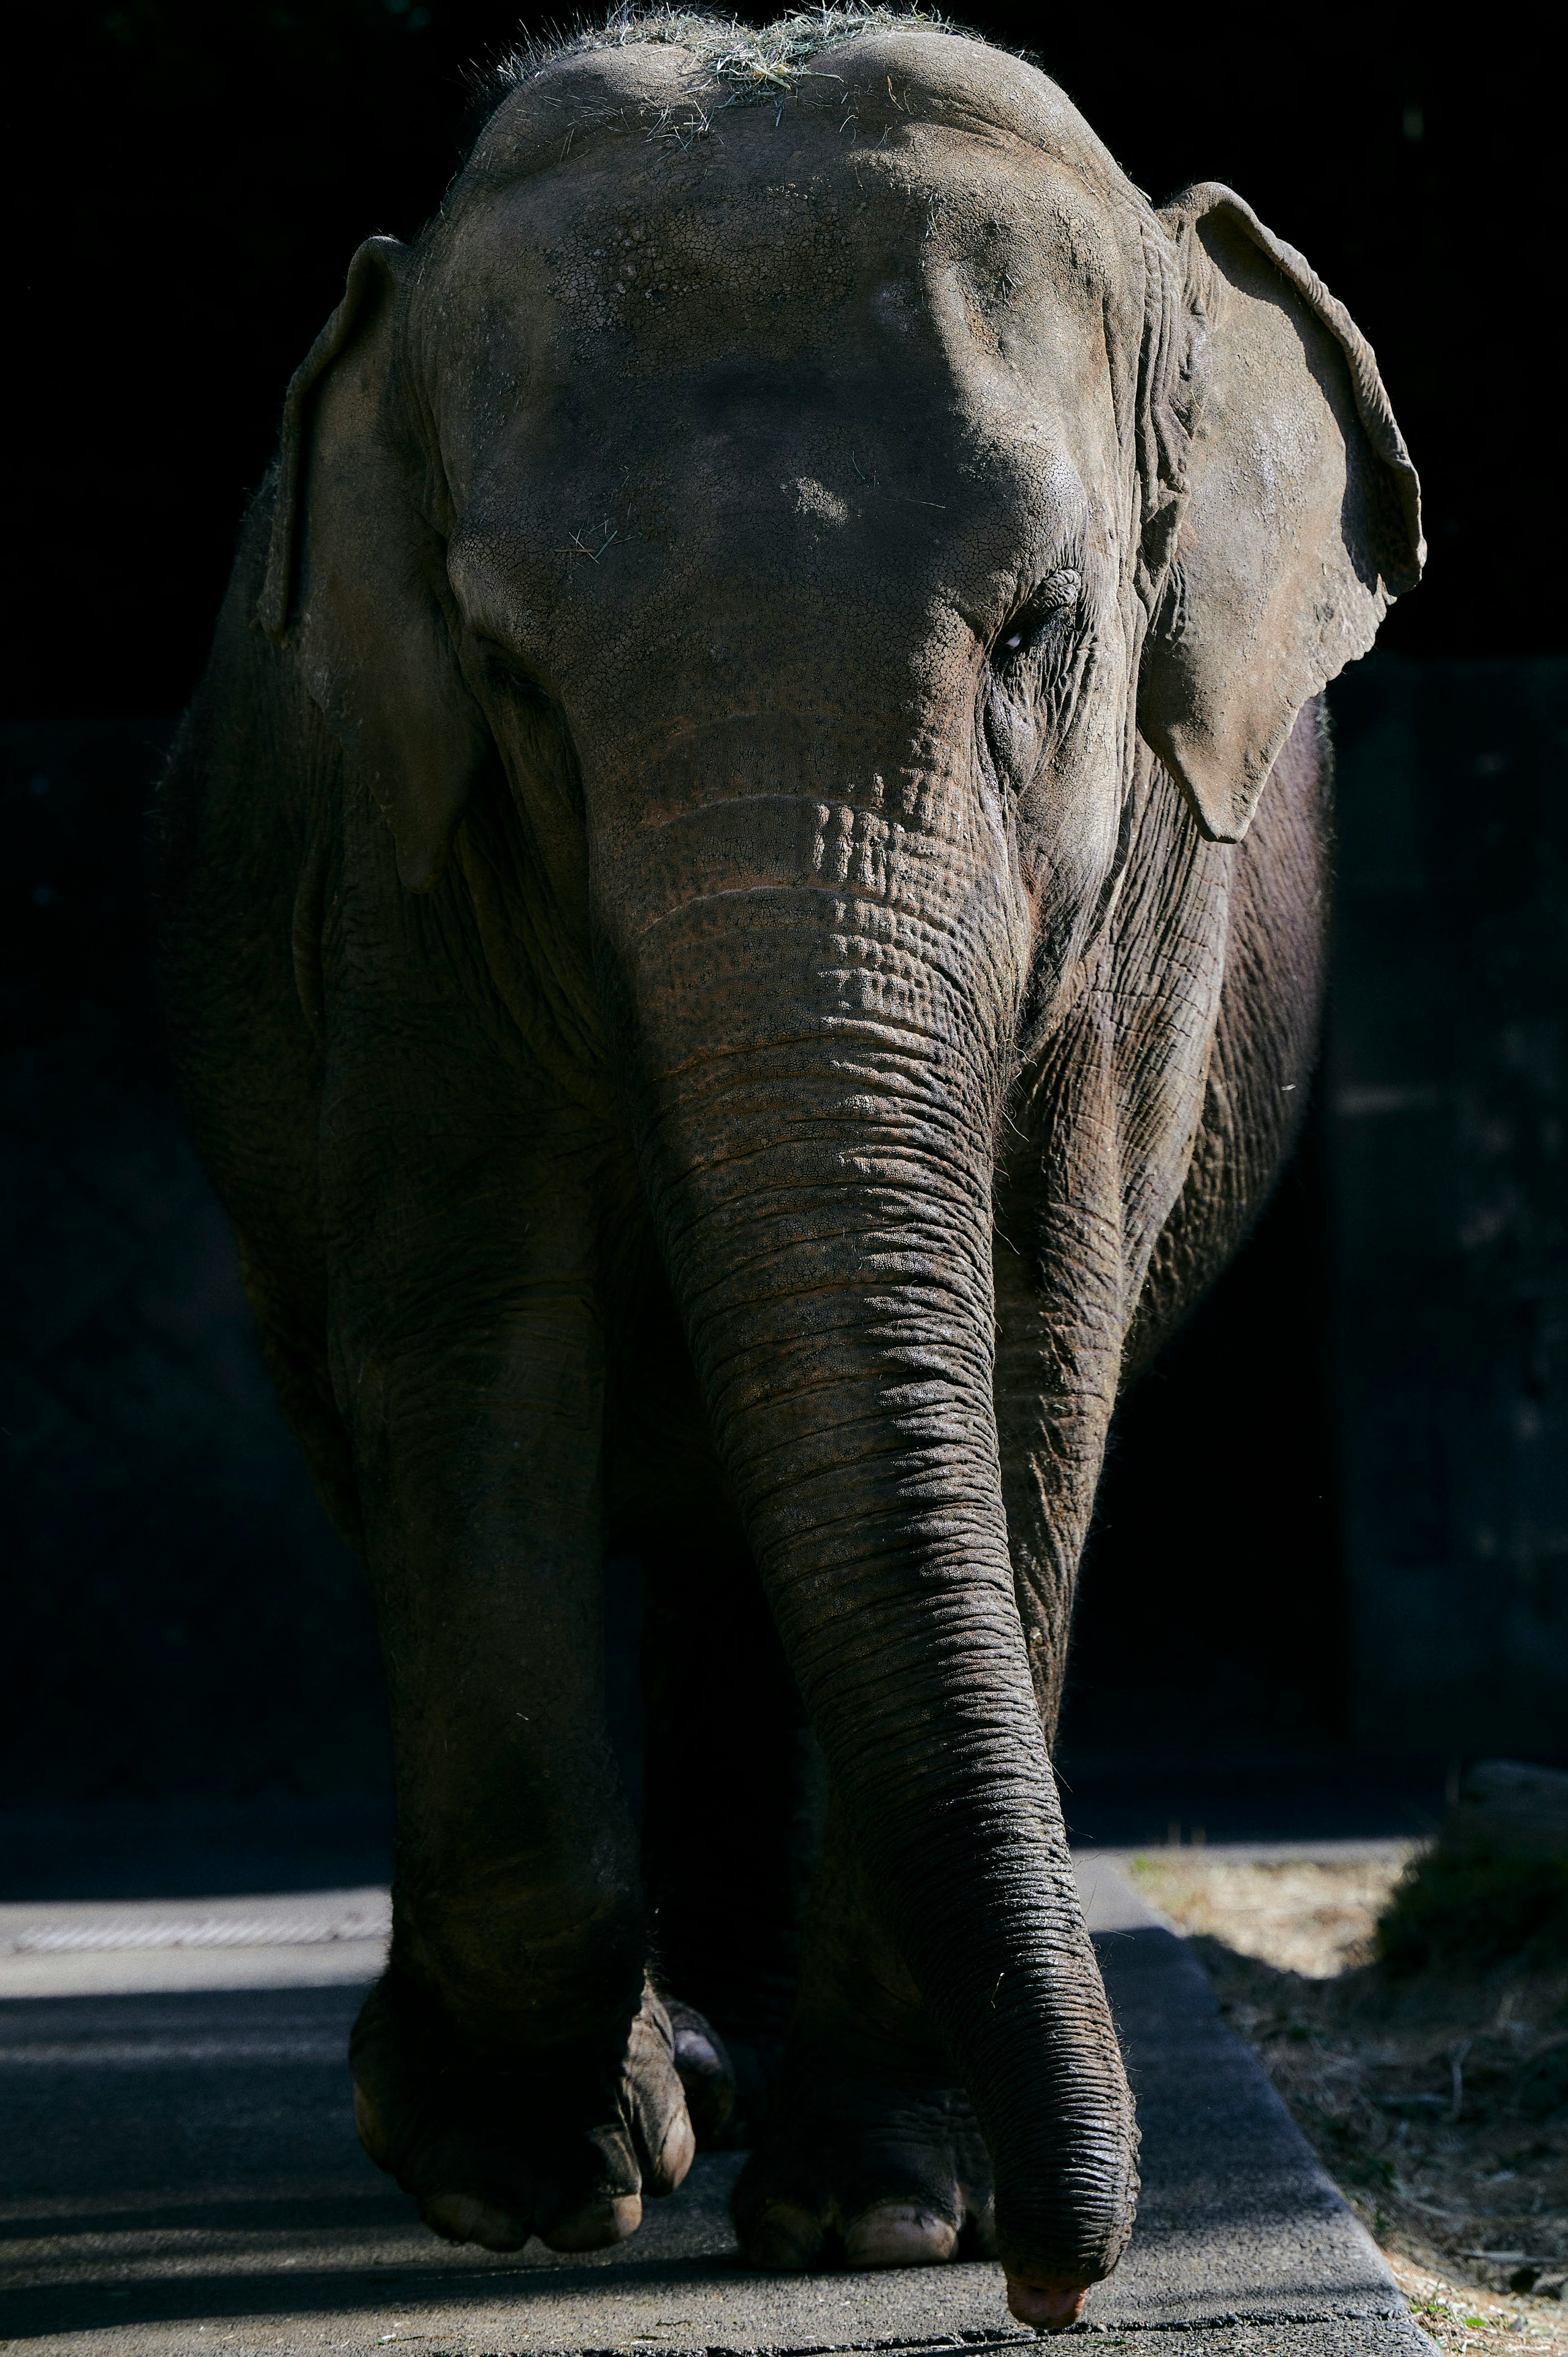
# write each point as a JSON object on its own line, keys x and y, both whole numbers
{"x": 733, "y": 1807}
{"x": 870, "y": 2154}
{"x": 513, "y": 2068}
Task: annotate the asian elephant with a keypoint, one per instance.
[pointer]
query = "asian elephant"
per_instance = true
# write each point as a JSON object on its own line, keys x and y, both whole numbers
{"x": 742, "y": 909}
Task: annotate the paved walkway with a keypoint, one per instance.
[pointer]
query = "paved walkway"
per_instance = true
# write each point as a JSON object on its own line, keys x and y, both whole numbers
{"x": 178, "y": 2173}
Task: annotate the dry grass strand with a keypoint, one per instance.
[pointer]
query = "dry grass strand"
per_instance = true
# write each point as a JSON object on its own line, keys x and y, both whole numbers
{"x": 758, "y": 62}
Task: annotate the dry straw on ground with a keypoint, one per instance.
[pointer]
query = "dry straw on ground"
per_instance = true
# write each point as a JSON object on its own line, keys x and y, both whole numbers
{"x": 1438, "y": 2100}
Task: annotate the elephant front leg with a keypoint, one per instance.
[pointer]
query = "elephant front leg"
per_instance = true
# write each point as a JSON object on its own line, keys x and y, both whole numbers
{"x": 871, "y": 2155}
{"x": 513, "y": 2068}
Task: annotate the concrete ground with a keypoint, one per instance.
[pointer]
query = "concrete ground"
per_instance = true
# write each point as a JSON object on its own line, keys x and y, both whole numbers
{"x": 178, "y": 2173}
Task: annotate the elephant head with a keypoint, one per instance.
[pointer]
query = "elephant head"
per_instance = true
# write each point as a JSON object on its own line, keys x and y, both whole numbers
{"x": 804, "y": 499}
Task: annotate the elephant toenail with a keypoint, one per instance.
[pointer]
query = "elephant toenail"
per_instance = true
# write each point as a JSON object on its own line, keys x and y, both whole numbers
{"x": 1047, "y": 2311}
{"x": 466, "y": 2218}
{"x": 784, "y": 2240}
{"x": 898, "y": 2234}
{"x": 596, "y": 2228}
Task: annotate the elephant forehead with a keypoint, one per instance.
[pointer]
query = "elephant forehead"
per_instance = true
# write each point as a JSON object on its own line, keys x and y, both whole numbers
{"x": 947, "y": 275}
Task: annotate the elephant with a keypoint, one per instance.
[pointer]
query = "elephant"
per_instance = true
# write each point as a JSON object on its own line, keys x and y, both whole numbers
{"x": 742, "y": 914}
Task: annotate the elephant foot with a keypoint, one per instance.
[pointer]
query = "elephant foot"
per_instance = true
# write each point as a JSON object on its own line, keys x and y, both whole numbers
{"x": 865, "y": 2167}
{"x": 859, "y": 2168}
{"x": 496, "y": 2147}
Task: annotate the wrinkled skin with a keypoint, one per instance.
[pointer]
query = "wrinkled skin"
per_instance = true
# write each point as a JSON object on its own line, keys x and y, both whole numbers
{"x": 734, "y": 967}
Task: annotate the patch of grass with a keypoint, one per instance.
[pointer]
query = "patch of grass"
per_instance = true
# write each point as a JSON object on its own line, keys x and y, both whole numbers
{"x": 1475, "y": 1911}
{"x": 1436, "y": 2094}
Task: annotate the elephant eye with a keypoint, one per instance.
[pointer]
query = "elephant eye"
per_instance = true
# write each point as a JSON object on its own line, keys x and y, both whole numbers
{"x": 513, "y": 678}
{"x": 1055, "y": 595}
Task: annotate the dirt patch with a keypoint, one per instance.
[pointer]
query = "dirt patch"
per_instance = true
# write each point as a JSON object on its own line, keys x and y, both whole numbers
{"x": 1438, "y": 2100}
{"x": 1458, "y": 2317}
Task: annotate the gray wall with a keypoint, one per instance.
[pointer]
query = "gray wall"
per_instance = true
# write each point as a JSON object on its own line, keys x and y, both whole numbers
{"x": 1445, "y": 1076}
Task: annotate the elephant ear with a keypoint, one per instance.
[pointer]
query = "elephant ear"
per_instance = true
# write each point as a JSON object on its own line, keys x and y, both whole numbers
{"x": 1301, "y": 516}
{"x": 356, "y": 579}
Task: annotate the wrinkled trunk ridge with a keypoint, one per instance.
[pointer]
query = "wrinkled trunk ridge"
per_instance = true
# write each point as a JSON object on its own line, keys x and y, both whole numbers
{"x": 833, "y": 1269}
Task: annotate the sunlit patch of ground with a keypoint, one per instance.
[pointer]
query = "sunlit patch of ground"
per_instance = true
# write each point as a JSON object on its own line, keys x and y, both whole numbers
{"x": 1314, "y": 1920}
{"x": 1439, "y": 2103}
{"x": 1457, "y": 2316}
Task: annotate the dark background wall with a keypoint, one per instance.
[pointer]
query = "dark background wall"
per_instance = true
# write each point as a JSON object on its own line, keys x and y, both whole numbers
{"x": 178, "y": 1614}
{"x": 192, "y": 181}
{"x": 178, "y": 1609}
{"x": 1445, "y": 1096}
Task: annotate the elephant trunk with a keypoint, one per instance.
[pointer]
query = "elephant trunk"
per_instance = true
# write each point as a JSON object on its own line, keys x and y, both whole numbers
{"x": 818, "y": 1083}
